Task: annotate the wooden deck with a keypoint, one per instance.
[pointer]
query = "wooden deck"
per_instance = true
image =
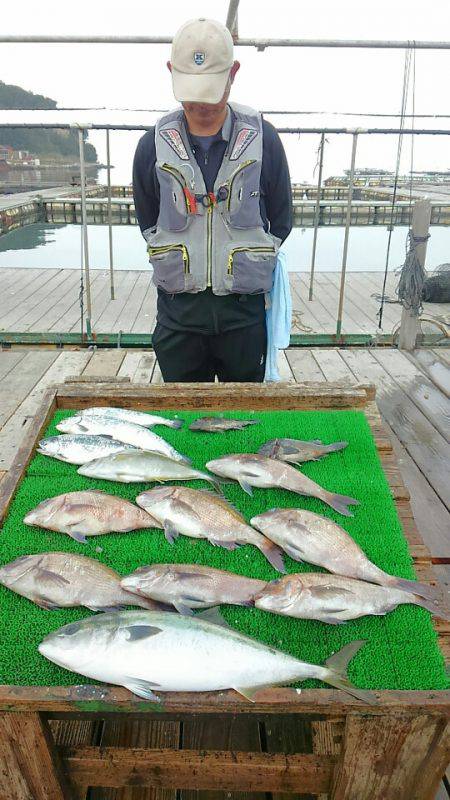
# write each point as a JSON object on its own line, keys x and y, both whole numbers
{"x": 41, "y": 300}
{"x": 413, "y": 394}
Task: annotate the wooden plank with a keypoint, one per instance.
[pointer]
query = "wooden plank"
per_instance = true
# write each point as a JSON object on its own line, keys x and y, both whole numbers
{"x": 18, "y": 425}
{"x": 105, "y": 321}
{"x": 303, "y": 365}
{"x": 391, "y": 759}
{"x": 443, "y": 353}
{"x": 433, "y": 403}
{"x": 146, "y": 313}
{"x": 40, "y": 317}
{"x": 157, "y": 376}
{"x": 138, "y": 734}
{"x": 129, "y": 365}
{"x": 19, "y": 315}
{"x": 72, "y": 733}
{"x": 9, "y": 359}
{"x": 145, "y": 368}
{"x": 332, "y": 365}
{"x": 22, "y": 379}
{"x": 327, "y": 737}
{"x": 70, "y": 319}
{"x": 23, "y": 292}
{"x": 438, "y": 371}
{"x": 289, "y": 735}
{"x": 105, "y": 363}
{"x": 29, "y": 764}
{"x": 130, "y": 309}
{"x": 284, "y": 368}
{"x": 196, "y": 769}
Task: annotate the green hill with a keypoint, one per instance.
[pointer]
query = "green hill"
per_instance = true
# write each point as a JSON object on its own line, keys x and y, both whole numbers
{"x": 42, "y": 142}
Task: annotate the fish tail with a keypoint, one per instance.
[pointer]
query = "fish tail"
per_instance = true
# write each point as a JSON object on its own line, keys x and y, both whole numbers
{"x": 337, "y": 672}
{"x": 340, "y": 503}
{"x": 175, "y": 423}
{"x": 437, "y": 606}
{"x": 273, "y": 553}
{"x": 332, "y": 448}
{"x": 414, "y": 587}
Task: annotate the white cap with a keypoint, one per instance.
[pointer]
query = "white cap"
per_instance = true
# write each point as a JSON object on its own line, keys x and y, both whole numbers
{"x": 202, "y": 56}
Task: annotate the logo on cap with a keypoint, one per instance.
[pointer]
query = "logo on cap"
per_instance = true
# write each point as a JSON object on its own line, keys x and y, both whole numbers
{"x": 199, "y": 58}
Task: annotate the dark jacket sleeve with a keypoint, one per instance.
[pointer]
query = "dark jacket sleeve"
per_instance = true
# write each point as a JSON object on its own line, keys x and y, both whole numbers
{"x": 277, "y": 183}
{"x": 145, "y": 184}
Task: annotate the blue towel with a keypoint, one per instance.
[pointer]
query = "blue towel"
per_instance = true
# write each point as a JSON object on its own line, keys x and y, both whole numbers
{"x": 278, "y": 318}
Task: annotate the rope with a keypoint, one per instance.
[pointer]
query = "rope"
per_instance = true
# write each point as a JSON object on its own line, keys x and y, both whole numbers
{"x": 412, "y": 277}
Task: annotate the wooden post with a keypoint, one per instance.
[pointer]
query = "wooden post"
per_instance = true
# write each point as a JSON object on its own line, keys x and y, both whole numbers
{"x": 409, "y": 325}
{"x": 29, "y": 764}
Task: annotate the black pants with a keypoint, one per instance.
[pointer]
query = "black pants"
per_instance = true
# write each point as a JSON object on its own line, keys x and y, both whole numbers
{"x": 237, "y": 355}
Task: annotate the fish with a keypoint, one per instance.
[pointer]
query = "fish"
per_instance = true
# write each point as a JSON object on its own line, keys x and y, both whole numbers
{"x": 137, "y": 466}
{"x": 130, "y": 415}
{"x": 296, "y": 451}
{"x": 203, "y": 515}
{"x": 127, "y": 432}
{"x": 306, "y": 536}
{"x": 220, "y": 424}
{"x": 252, "y": 469}
{"x": 189, "y": 586}
{"x": 80, "y": 448}
{"x": 149, "y": 652}
{"x": 336, "y": 599}
{"x": 65, "y": 580}
{"x": 89, "y": 513}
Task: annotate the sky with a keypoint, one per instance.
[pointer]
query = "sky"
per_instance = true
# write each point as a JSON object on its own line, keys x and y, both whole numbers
{"x": 300, "y": 79}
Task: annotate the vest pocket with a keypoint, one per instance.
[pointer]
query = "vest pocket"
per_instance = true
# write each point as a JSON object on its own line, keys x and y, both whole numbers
{"x": 242, "y": 204}
{"x": 173, "y": 207}
{"x": 250, "y": 269}
{"x": 171, "y": 267}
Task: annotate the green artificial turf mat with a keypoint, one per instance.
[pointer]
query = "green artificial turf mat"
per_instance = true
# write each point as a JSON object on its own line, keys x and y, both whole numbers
{"x": 401, "y": 650}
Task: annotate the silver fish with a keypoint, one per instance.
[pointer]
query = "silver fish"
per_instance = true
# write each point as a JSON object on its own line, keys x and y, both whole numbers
{"x": 89, "y": 513}
{"x": 80, "y": 448}
{"x": 202, "y": 515}
{"x": 188, "y": 586}
{"x": 148, "y": 651}
{"x": 65, "y": 580}
{"x": 130, "y": 415}
{"x": 306, "y": 536}
{"x": 138, "y": 466}
{"x": 252, "y": 469}
{"x": 335, "y": 599}
{"x": 220, "y": 424}
{"x": 127, "y": 432}
{"x": 296, "y": 451}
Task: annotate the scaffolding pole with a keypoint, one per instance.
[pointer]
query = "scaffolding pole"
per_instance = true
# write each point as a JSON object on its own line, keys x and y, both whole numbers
{"x": 85, "y": 234}
{"x": 346, "y": 236}
{"x": 111, "y": 255}
{"x": 316, "y": 215}
{"x": 232, "y": 17}
{"x": 106, "y": 126}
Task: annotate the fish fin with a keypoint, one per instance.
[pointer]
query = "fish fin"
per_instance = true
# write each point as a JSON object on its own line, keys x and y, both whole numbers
{"x": 182, "y": 608}
{"x": 295, "y": 554}
{"x": 170, "y": 532}
{"x": 214, "y": 616}
{"x": 436, "y": 607}
{"x": 176, "y": 424}
{"x": 49, "y": 577}
{"x": 414, "y": 587}
{"x": 332, "y": 620}
{"x": 337, "y": 665}
{"x": 317, "y": 441}
{"x": 333, "y": 448}
{"x": 183, "y": 576}
{"x": 142, "y": 688}
{"x": 225, "y": 544}
{"x": 329, "y": 592}
{"x": 138, "y": 632}
{"x": 339, "y": 503}
{"x": 248, "y": 692}
{"x": 47, "y": 606}
{"x": 246, "y": 487}
{"x": 273, "y": 553}
{"x": 105, "y": 609}
{"x": 78, "y": 536}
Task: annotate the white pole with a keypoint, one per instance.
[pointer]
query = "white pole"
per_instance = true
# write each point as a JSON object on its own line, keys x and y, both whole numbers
{"x": 111, "y": 258}
{"x": 85, "y": 233}
{"x": 316, "y": 215}
{"x": 409, "y": 325}
{"x": 346, "y": 236}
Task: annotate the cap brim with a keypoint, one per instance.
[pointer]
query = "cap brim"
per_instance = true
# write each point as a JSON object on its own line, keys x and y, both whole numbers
{"x": 205, "y": 88}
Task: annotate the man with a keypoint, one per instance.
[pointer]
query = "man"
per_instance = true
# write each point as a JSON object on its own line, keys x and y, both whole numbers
{"x": 213, "y": 200}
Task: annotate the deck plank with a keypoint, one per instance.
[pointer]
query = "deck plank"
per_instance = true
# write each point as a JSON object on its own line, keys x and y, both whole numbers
{"x": 15, "y": 386}
{"x": 105, "y": 363}
{"x": 16, "y": 309}
{"x": 303, "y": 365}
{"x": 438, "y": 371}
{"x": 332, "y": 365}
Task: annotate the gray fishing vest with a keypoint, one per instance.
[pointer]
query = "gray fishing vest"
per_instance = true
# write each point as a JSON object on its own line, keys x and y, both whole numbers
{"x": 215, "y": 240}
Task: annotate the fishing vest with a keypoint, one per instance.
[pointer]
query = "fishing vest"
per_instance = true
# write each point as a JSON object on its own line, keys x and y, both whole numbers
{"x": 218, "y": 239}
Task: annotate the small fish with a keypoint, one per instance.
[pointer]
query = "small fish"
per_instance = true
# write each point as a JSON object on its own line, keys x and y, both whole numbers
{"x": 220, "y": 424}
{"x": 306, "y": 536}
{"x": 89, "y": 513}
{"x": 152, "y": 651}
{"x": 188, "y": 586}
{"x": 296, "y": 451}
{"x": 127, "y": 432}
{"x": 80, "y": 448}
{"x": 335, "y": 599}
{"x": 135, "y": 417}
{"x": 203, "y": 515}
{"x": 252, "y": 469}
{"x": 66, "y": 580}
{"x": 138, "y": 466}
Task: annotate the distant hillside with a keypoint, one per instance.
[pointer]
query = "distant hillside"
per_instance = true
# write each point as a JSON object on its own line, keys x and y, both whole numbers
{"x": 40, "y": 142}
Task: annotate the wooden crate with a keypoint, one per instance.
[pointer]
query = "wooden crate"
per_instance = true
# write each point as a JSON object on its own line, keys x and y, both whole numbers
{"x": 57, "y": 741}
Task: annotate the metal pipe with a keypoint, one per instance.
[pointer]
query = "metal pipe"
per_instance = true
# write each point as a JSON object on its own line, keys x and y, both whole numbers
{"x": 316, "y": 215}
{"x": 346, "y": 236}
{"x": 231, "y": 22}
{"x": 106, "y": 126}
{"x": 85, "y": 234}
{"x": 260, "y": 44}
{"x": 111, "y": 259}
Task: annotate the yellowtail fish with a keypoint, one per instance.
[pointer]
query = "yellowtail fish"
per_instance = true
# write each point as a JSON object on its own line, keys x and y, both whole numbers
{"x": 79, "y": 448}
{"x": 137, "y": 466}
{"x": 146, "y": 420}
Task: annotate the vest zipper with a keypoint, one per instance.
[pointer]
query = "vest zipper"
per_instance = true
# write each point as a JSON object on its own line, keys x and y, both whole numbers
{"x": 233, "y": 175}
{"x": 244, "y": 250}
{"x": 166, "y": 249}
{"x": 209, "y": 245}
{"x": 178, "y": 177}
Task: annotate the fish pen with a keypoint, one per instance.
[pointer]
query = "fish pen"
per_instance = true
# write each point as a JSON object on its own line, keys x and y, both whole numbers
{"x": 59, "y": 739}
